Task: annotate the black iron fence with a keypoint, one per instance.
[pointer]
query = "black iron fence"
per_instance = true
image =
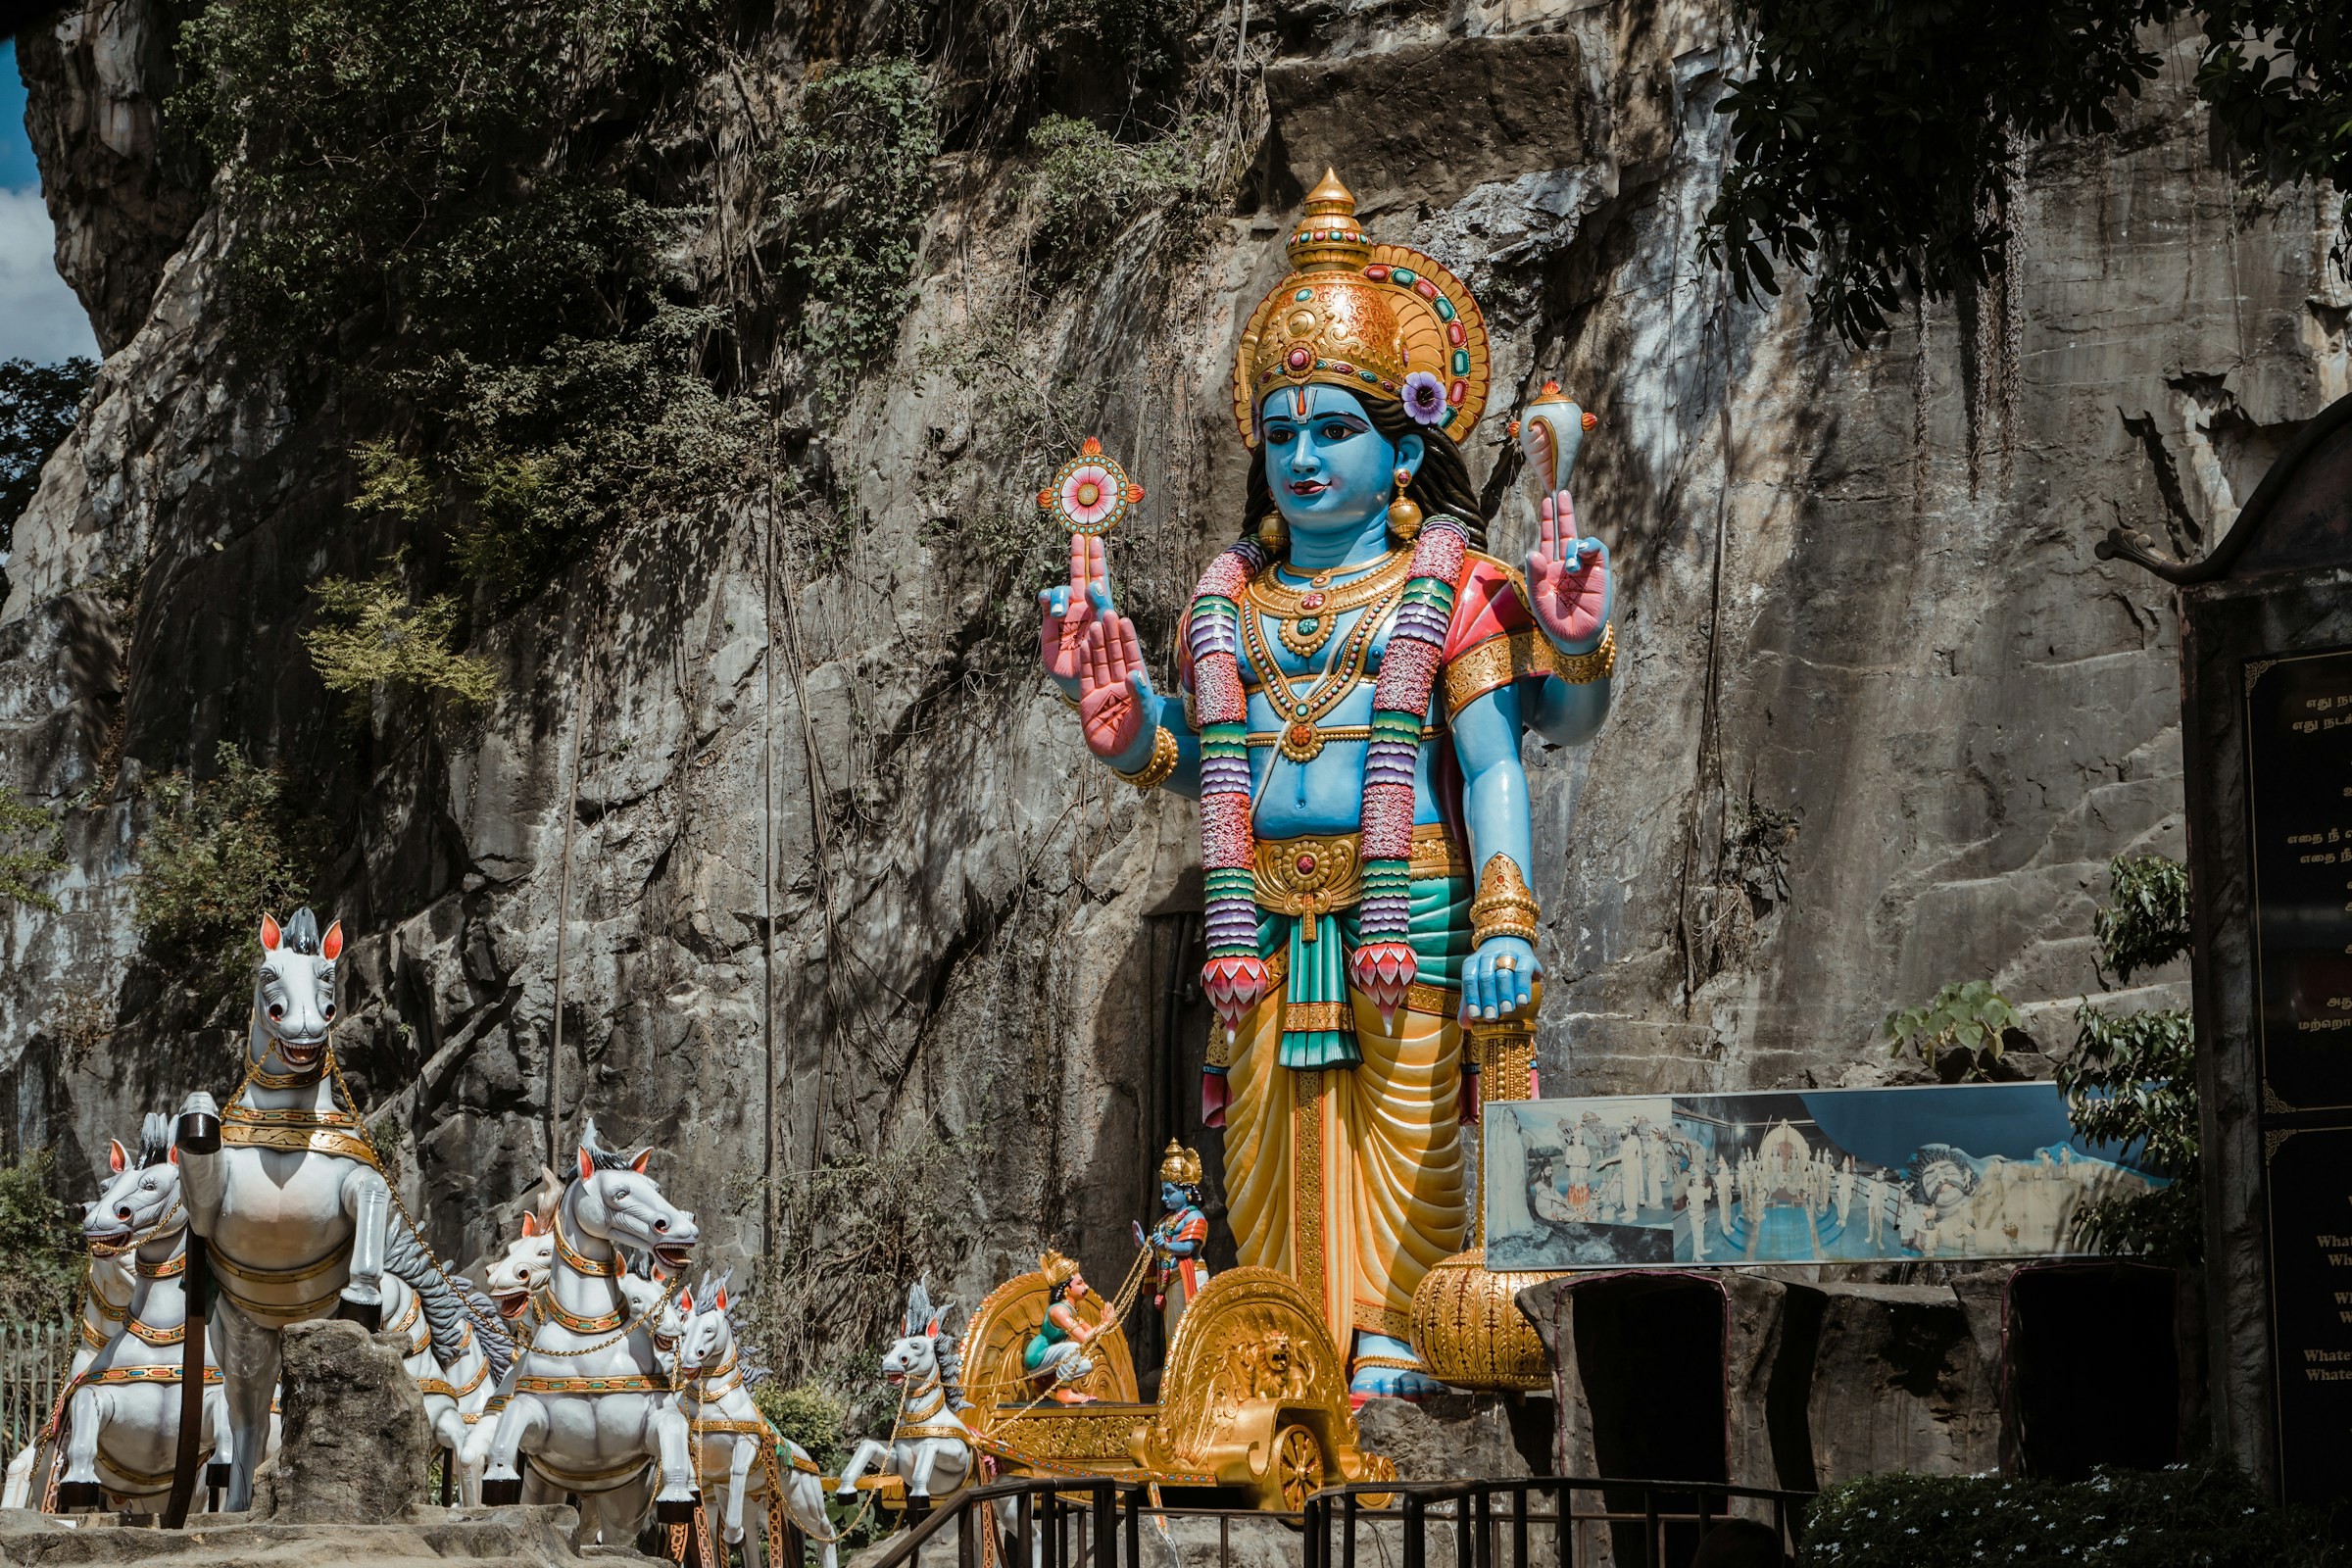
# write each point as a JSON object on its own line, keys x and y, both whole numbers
{"x": 1531, "y": 1522}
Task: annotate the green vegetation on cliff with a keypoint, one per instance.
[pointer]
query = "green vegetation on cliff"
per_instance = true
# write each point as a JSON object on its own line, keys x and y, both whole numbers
{"x": 218, "y": 854}
{"x": 39, "y": 1246}
{"x": 1879, "y": 145}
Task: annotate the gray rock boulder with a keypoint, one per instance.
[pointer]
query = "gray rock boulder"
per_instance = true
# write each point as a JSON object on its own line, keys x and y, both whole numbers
{"x": 355, "y": 1444}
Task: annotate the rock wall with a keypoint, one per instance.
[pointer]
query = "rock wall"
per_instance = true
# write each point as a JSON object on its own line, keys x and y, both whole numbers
{"x": 848, "y": 922}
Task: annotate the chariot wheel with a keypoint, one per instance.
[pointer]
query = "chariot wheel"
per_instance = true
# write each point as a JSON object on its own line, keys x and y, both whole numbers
{"x": 1296, "y": 1470}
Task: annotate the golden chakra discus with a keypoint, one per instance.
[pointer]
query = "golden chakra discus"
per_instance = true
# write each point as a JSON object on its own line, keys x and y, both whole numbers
{"x": 1090, "y": 493}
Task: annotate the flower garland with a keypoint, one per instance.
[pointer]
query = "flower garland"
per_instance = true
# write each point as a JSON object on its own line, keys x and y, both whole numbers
{"x": 1383, "y": 967}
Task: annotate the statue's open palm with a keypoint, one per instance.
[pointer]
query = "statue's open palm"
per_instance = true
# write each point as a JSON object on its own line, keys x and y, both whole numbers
{"x": 1115, "y": 703}
{"x": 1568, "y": 578}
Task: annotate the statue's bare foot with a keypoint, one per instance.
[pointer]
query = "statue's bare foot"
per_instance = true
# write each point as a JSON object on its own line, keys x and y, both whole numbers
{"x": 1386, "y": 1368}
{"x": 1072, "y": 1396}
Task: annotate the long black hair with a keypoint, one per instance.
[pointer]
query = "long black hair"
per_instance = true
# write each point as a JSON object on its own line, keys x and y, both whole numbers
{"x": 1442, "y": 483}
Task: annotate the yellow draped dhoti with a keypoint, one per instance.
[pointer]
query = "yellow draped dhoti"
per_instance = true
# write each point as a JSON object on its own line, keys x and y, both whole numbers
{"x": 1349, "y": 1177}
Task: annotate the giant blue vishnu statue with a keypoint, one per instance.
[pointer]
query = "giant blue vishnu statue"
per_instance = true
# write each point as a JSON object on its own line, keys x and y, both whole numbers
{"x": 1357, "y": 677}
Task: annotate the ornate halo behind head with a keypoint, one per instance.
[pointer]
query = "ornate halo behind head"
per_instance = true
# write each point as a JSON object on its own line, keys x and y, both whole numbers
{"x": 1362, "y": 316}
{"x": 1090, "y": 493}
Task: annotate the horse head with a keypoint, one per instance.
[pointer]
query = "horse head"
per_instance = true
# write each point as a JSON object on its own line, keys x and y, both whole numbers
{"x": 141, "y": 1191}
{"x": 921, "y": 1350}
{"x": 706, "y": 1335}
{"x": 617, "y": 1201}
{"x": 294, "y": 993}
{"x": 522, "y": 1270}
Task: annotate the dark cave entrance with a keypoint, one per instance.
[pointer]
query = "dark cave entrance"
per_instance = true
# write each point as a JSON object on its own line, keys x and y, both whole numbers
{"x": 1649, "y": 1357}
{"x": 2093, "y": 1368}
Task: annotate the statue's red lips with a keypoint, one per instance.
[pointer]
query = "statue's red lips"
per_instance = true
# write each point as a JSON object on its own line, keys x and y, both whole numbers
{"x": 1307, "y": 487}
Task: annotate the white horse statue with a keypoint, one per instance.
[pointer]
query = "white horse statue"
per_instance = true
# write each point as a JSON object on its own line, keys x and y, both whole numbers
{"x": 737, "y": 1453}
{"x": 512, "y": 1283}
{"x": 122, "y": 1417}
{"x": 106, "y": 1287}
{"x": 589, "y": 1402}
{"x": 930, "y": 1448}
{"x": 283, "y": 1188}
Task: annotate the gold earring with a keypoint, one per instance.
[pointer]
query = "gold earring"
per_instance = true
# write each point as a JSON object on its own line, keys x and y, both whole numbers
{"x": 1404, "y": 518}
{"x": 1270, "y": 531}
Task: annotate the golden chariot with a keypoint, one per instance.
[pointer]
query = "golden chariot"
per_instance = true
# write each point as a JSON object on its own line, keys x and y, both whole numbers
{"x": 1254, "y": 1397}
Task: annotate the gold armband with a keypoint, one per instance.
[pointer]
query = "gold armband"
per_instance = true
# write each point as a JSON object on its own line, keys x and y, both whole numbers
{"x": 1503, "y": 907}
{"x": 1579, "y": 670}
{"x": 1155, "y": 773}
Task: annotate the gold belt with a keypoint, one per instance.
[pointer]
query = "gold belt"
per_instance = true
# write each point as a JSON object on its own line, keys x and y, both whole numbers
{"x": 294, "y": 1132}
{"x": 618, "y": 1382}
{"x": 1329, "y": 733}
{"x": 1315, "y": 874}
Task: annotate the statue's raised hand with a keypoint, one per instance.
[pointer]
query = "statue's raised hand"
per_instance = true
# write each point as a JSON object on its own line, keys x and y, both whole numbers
{"x": 1117, "y": 710}
{"x": 1068, "y": 610}
{"x": 1568, "y": 578}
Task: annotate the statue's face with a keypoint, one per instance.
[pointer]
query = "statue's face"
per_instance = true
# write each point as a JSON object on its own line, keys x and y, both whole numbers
{"x": 1171, "y": 1197}
{"x": 1330, "y": 468}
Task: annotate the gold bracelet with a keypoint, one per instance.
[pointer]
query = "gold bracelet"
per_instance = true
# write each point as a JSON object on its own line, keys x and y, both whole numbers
{"x": 1578, "y": 669}
{"x": 1155, "y": 773}
{"x": 1505, "y": 907}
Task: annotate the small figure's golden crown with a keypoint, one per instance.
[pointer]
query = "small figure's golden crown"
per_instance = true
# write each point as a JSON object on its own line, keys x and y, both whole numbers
{"x": 1057, "y": 1269}
{"x": 1362, "y": 316}
{"x": 1180, "y": 1164}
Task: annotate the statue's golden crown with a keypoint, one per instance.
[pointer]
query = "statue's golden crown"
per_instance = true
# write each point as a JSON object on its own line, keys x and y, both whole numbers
{"x": 1180, "y": 1164}
{"x": 1362, "y": 316}
{"x": 1057, "y": 1269}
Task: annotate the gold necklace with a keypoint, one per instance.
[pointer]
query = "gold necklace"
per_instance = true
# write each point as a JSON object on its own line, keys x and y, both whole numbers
{"x": 1306, "y": 615}
{"x": 1300, "y": 737}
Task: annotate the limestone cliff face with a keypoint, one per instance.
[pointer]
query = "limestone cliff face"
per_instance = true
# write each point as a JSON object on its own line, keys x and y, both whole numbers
{"x": 848, "y": 922}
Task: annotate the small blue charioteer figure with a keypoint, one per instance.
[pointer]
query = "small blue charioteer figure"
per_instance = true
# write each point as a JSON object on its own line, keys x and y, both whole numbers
{"x": 1180, "y": 1237}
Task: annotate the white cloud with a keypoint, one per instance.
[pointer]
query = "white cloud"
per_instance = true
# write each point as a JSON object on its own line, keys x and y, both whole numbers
{"x": 39, "y": 316}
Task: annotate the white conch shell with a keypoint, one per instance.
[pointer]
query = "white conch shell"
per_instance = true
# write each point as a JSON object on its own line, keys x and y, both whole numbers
{"x": 1551, "y": 433}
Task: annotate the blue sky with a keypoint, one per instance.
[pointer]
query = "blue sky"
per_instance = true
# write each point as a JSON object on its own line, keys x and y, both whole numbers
{"x": 39, "y": 316}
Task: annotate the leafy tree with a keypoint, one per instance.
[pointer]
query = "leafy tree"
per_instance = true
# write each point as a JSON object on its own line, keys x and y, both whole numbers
{"x": 1875, "y": 141}
{"x": 851, "y": 171}
{"x": 38, "y": 405}
{"x": 372, "y": 634}
{"x": 26, "y": 832}
{"x": 38, "y": 1242}
{"x": 2132, "y": 1078}
{"x": 219, "y": 854}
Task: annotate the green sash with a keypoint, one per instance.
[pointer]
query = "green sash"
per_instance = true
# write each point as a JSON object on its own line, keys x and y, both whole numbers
{"x": 1440, "y": 938}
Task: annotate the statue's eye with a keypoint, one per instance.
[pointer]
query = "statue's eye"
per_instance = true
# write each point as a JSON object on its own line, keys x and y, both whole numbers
{"x": 1280, "y": 435}
{"x": 621, "y": 1195}
{"x": 1336, "y": 431}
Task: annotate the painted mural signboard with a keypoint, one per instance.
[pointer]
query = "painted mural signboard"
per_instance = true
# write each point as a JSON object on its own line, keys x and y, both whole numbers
{"x": 1814, "y": 1176}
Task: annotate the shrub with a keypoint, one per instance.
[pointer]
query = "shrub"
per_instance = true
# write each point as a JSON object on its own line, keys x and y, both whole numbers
{"x": 25, "y": 835}
{"x": 38, "y": 1243}
{"x": 810, "y": 1417}
{"x": 2208, "y": 1516}
{"x": 1089, "y": 185}
{"x": 852, "y": 173}
{"x": 1958, "y": 1033}
{"x": 218, "y": 854}
{"x": 371, "y": 634}
{"x": 2132, "y": 1078}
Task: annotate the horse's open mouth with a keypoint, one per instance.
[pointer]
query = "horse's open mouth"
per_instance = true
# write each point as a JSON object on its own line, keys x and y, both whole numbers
{"x": 895, "y": 1379}
{"x": 511, "y": 1304}
{"x": 297, "y": 1056}
{"x": 674, "y": 1255}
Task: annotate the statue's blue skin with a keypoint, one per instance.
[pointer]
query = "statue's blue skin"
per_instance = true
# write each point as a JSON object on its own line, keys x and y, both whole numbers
{"x": 1171, "y": 1199}
{"x": 1333, "y": 476}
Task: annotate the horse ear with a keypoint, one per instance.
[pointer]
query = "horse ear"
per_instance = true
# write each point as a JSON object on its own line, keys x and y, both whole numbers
{"x": 530, "y": 1223}
{"x": 587, "y": 1166}
{"x": 269, "y": 935}
{"x": 174, "y": 1155}
{"x": 116, "y": 1156}
{"x": 332, "y": 946}
{"x": 937, "y": 1318}
{"x": 645, "y": 1158}
{"x": 686, "y": 1300}
{"x": 720, "y": 1303}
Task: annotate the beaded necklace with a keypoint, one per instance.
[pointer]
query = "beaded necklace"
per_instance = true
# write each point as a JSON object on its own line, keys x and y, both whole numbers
{"x": 1383, "y": 965}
